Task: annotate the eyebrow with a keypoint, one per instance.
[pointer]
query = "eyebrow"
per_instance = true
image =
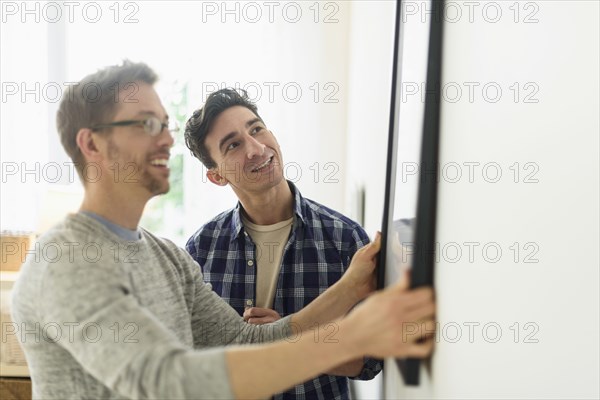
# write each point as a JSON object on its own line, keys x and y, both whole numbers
{"x": 231, "y": 135}
{"x": 226, "y": 139}
{"x": 252, "y": 122}
{"x": 150, "y": 113}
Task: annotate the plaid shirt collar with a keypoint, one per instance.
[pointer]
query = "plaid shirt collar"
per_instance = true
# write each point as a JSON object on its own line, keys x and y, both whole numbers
{"x": 236, "y": 218}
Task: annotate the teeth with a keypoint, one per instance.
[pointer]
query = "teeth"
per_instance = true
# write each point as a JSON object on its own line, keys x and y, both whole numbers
{"x": 161, "y": 162}
{"x": 263, "y": 165}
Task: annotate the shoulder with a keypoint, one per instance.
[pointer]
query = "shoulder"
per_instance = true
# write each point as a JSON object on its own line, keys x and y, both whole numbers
{"x": 219, "y": 226}
{"x": 73, "y": 228}
{"x": 318, "y": 214}
{"x": 169, "y": 254}
{"x": 159, "y": 244}
{"x": 76, "y": 254}
{"x": 332, "y": 227}
{"x": 76, "y": 241}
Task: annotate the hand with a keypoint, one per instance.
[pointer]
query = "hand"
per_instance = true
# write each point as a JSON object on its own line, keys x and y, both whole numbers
{"x": 360, "y": 276}
{"x": 259, "y": 316}
{"x": 396, "y": 322}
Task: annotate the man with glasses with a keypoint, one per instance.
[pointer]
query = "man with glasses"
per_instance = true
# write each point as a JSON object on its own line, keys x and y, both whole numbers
{"x": 275, "y": 251}
{"x": 105, "y": 309}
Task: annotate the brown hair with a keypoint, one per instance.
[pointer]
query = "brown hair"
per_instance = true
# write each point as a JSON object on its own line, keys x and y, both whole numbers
{"x": 94, "y": 100}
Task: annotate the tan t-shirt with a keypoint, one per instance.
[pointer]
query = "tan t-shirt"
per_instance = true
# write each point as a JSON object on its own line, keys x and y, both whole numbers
{"x": 270, "y": 241}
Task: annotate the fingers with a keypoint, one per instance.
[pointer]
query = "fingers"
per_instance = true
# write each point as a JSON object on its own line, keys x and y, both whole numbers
{"x": 416, "y": 298}
{"x": 410, "y": 296}
{"x": 253, "y": 312}
{"x": 413, "y": 332}
{"x": 410, "y": 300}
{"x": 423, "y": 313}
{"x": 419, "y": 350}
{"x": 258, "y": 313}
{"x": 404, "y": 283}
{"x": 261, "y": 321}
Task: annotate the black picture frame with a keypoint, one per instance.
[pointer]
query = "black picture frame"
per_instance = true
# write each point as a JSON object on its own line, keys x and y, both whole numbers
{"x": 422, "y": 228}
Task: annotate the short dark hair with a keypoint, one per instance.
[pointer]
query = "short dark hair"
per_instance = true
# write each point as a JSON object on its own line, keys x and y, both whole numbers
{"x": 202, "y": 120}
{"x": 92, "y": 101}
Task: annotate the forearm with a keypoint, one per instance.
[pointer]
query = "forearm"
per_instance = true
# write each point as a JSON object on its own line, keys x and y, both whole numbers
{"x": 261, "y": 371}
{"x": 355, "y": 285}
{"x": 334, "y": 303}
{"x": 261, "y": 316}
{"x": 350, "y": 369}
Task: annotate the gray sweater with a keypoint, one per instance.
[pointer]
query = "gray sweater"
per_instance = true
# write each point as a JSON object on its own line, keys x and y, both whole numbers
{"x": 99, "y": 317}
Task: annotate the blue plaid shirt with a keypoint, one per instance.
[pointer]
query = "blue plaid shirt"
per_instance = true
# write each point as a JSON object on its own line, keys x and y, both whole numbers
{"x": 317, "y": 253}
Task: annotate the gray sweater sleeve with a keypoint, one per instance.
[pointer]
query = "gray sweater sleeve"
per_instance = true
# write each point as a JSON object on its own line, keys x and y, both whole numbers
{"x": 120, "y": 343}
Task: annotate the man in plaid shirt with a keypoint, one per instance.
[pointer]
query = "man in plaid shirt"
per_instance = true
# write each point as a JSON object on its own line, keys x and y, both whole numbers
{"x": 276, "y": 251}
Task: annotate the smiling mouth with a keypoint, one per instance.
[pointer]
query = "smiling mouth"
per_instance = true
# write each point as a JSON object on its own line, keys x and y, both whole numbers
{"x": 264, "y": 165}
{"x": 160, "y": 162}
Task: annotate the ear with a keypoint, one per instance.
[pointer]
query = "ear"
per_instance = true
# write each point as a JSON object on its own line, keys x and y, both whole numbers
{"x": 215, "y": 178}
{"x": 88, "y": 145}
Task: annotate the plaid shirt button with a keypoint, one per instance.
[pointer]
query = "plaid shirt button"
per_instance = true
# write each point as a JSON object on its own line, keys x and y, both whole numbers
{"x": 250, "y": 263}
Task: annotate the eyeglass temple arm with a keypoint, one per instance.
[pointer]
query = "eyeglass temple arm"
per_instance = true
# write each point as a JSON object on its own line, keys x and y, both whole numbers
{"x": 119, "y": 123}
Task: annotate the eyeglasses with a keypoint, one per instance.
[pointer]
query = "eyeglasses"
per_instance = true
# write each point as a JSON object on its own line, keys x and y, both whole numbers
{"x": 152, "y": 125}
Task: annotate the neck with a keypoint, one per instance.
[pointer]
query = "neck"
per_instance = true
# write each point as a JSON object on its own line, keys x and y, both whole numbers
{"x": 123, "y": 209}
{"x": 268, "y": 208}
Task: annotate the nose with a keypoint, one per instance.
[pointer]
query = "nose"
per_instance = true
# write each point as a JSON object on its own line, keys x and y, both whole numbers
{"x": 255, "y": 148}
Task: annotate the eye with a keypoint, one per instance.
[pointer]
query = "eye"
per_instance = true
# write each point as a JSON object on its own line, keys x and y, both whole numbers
{"x": 256, "y": 130}
{"x": 232, "y": 146}
{"x": 153, "y": 126}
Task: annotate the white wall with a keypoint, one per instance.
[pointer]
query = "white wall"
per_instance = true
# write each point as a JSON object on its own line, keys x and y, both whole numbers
{"x": 558, "y": 214}
{"x": 370, "y": 77}
{"x": 554, "y": 220}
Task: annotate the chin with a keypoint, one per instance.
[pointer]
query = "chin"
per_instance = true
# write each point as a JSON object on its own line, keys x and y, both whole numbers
{"x": 164, "y": 189}
{"x": 269, "y": 180}
{"x": 277, "y": 178}
{"x": 157, "y": 188}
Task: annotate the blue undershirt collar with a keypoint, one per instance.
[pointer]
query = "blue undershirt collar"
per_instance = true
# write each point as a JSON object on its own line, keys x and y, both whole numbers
{"x": 123, "y": 233}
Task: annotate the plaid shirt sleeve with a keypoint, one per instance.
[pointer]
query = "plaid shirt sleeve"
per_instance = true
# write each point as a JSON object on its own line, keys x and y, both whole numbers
{"x": 190, "y": 247}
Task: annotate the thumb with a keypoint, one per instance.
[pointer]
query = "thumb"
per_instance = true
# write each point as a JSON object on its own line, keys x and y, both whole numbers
{"x": 371, "y": 249}
{"x": 377, "y": 240}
